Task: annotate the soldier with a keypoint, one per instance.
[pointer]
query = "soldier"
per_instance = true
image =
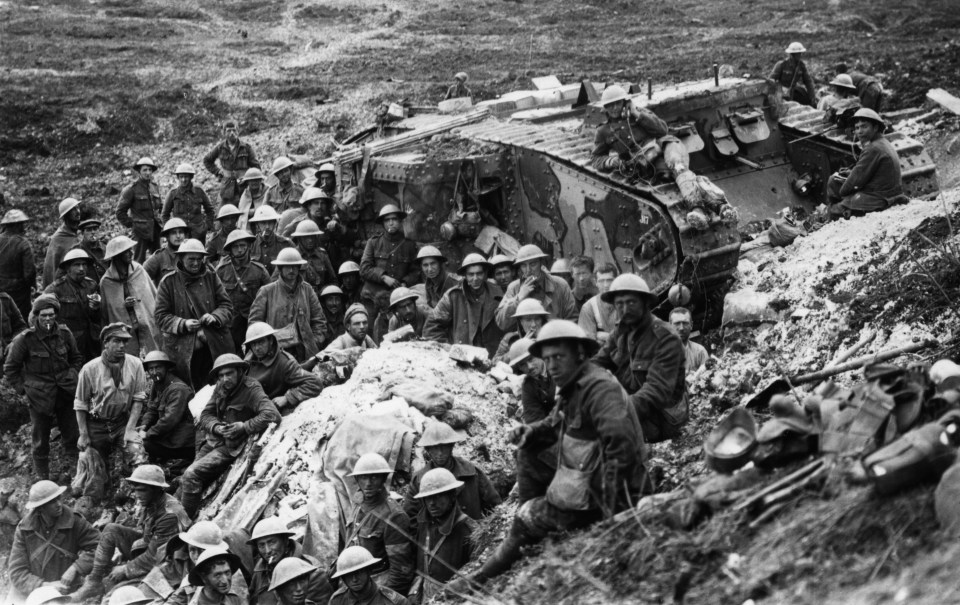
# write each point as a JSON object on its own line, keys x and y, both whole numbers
{"x": 467, "y": 314}
{"x": 254, "y": 195}
{"x": 379, "y": 525}
{"x": 537, "y": 398}
{"x": 583, "y": 285}
{"x": 18, "y": 270}
{"x": 42, "y": 365}
{"x": 874, "y": 181}
{"x": 280, "y": 375}
{"x": 530, "y": 317}
{"x": 290, "y": 581}
{"x": 52, "y": 546}
{"x": 326, "y": 178}
{"x": 189, "y": 203}
{"x": 477, "y": 496}
{"x": 274, "y": 542}
{"x": 601, "y": 451}
{"x": 311, "y": 204}
{"x": 164, "y": 261}
{"x": 354, "y": 568}
{"x": 696, "y": 356}
{"x": 285, "y": 193}
{"x": 89, "y": 234}
{"x": 268, "y": 242}
{"x": 436, "y": 279}
{"x": 444, "y": 533}
{"x": 292, "y": 307}
{"x": 195, "y": 313}
{"x": 628, "y": 129}
{"x": 388, "y": 259}
{"x": 503, "y": 270}
{"x": 318, "y": 272}
{"x": 598, "y": 318}
{"x": 407, "y": 310}
{"x": 238, "y": 409}
{"x": 213, "y": 575}
{"x": 235, "y": 158}
{"x": 561, "y": 268}
{"x": 162, "y": 519}
{"x": 227, "y": 218}
{"x": 63, "y": 239}
{"x": 182, "y": 553}
{"x": 843, "y": 96}
{"x": 11, "y": 322}
{"x": 791, "y": 74}
{"x": 458, "y": 88}
{"x": 242, "y": 278}
{"x": 349, "y": 274}
{"x": 646, "y": 355}
{"x": 166, "y": 426}
{"x": 111, "y": 392}
{"x": 79, "y": 298}
{"x": 139, "y": 209}
{"x": 869, "y": 90}
{"x": 331, "y": 301}
{"x": 129, "y": 296}
{"x": 533, "y": 282}
{"x": 356, "y": 324}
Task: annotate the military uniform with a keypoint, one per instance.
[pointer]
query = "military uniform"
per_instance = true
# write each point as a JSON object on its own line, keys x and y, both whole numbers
{"x": 318, "y": 587}
{"x": 625, "y": 136}
{"x": 793, "y": 76}
{"x": 383, "y": 529}
{"x": 379, "y": 595}
{"x": 215, "y": 245}
{"x": 96, "y": 252}
{"x": 443, "y": 545}
{"x": 264, "y": 250}
{"x": 242, "y": 286}
{"x": 284, "y": 199}
{"x": 552, "y": 292}
{"x": 872, "y": 184}
{"x": 281, "y": 375}
{"x": 419, "y": 321}
{"x": 18, "y": 270}
{"x": 387, "y": 255}
{"x": 167, "y": 420}
{"x": 139, "y": 208}
{"x": 434, "y": 289}
{"x": 63, "y": 239}
{"x": 318, "y": 272}
{"x": 535, "y": 469}
{"x": 192, "y": 206}
{"x": 476, "y": 498}
{"x": 234, "y": 161}
{"x": 160, "y": 263}
{"x": 869, "y": 90}
{"x": 75, "y": 312}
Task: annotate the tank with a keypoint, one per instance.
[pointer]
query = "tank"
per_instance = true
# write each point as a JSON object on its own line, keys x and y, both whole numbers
{"x": 518, "y": 170}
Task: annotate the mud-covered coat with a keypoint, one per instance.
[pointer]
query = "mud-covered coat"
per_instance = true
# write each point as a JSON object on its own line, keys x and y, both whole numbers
{"x": 476, "y": 498}
{"x": 192, "y": 205}
{"x": 242, "y": 286}
{"x": 76, "y": 314}
{"x": 281, "y": 374}
{"x": 448, "y": 540}
{"x": 553, "y": 293}
{"x": 247, "y": 403}
{"x": 18, "y": 269}
{"x": 384, "y": 530}
{"x": 166, "y": 417}
{"x": 279, "y": 306}
{"x": 139, "y": 209}
{"x": 385, "y": 255}
{"x": 43, "y": 555}
{"x": 454, "y": 320}
{"x": 181, "y": 297}
{"x": 63, "y": 239}
{"x": 318, "y": 588}
{"x": 159, "y": 521}
{"x": 39, "y": 365}
{"x": 162, "y": 262}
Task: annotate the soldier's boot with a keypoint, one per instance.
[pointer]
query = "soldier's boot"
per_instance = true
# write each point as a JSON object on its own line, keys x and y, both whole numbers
{"x": 41, "y": 467}
{"x": 92, "y": 589}
{"x": 191, "y": 503}
{"x": 500, "y": 561}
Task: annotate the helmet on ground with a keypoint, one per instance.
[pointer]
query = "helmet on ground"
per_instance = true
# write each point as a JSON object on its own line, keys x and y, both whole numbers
{"x": 349, "y": 267}
{"x": 461, "y": 76}
{"x": 354, "y": 558}
{"x": 207, "y": 558}
{"x": 145, "y": 161}
{"x": 264, "y": 213}
{"x": 313, "y": 193}
{"x": 612, "y": 94}
{"x": 430, "y": 252}
{"x": 47, "y": 594}
{"x": 174, "y": 223}
{"x": 519, "y": 351}
{"x": 204, "y": 535}
{"x": 560, "y": 330}
{"x": 288, "y": 257}
{"x": 500, "y": 259}
{"x": 529, "y": 307}
{"x": 437, "y": 481}
{"x": 439, "y": 433}
{"x": 14, "y": 216}
{"x": 184, "y": 168}
{"x": 228, "y": 210}
{"x": 331, "y": 290}
{"x": 227, "y": 360}
{"x": 473, "y": 259}
{"x": 128, "y": 595}
{"x": 148, "y": 474}
{"x": 306, "y": 228}
{"x": 271, "y": 526}
{"x": 326, "y": 167}
{"x": 289, "y": 569}
{"x": 843, "y": 81}
{"x": 252, "y": 174}
{"x": 629, "y": 283}
{"x": 389, "y": 210}
{"x": 72, "y": 255}
{"x": 42, "y": 492}
{"x": 371, "y": 464}
{"x": 157, "y": 357}
{"x": 238, "y": 235}
{"x": 258, "y": 330}
{"x": 796, "y": 47}
{"x": 191, "y": 246}
{"x": 401, "y": 294}
{"x": 118, "y": 245}
{"x": 281, "y": 163}
{"x": 868, "y": 114}
{"x": 730, "y": 443}
{"x": 67, "y": 205}
{"x": 560, "y": 266}
{"x": 528, "y": 253}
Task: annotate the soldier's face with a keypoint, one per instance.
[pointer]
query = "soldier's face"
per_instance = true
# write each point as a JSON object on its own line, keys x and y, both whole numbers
{"x": 356, "y": 581}
{"x": 439, "y": 454}
{"x": 503, "y": 275}
{"x": 175, "y": 237}
{"x": 441, "y": 504}
{"x": 561, "y": 361}
{"x": 228, "y": 378}
{"x": 218, "y": 577}
{"x": 261, "y": 348}
{"x": 391, "y": 224}
{"x": 407, "y": 310}
{"x": 52, "y": 509}
{"x": 614, "y": 110}
{"x": 47, "y": 319}
{"x": 192, "y": 262}
{"x": 229, "y": 223}
{"x": 371, "y": 485}
{"x": 239, "y": 250}
{"x": 185, "y": 180}
{"x": 145, "y": 172}
{"x": 271, "y": 548}
{"x": 289, "y": 274}
{"x": 630, "y": 308}
{"x": 255, "y": 185}
{"x": 430, "y": 267}
{"x": 531, "y": 325}
{"x": 582, "y": 277}
{"x": 327, "y": 181}
{"x": 73, "y": 216}
{"x": 865, "y": 130}
{"x": 90, "y": 234}
{"x": 77, "y": 270}
{"x": 231, "y": 134}
{"x": 194, "y": 553}
{"x": 333, "y": 303}
{"x": 683, "y": 324}
{"x": 144, "y": 493}
{"x": 349, "y": 280}
{"x": 357, "y": 327}
{"x": 315, "y": 211}
{"x": 603, "y": 281}
{"x": 294, "y": 591}
{"x": 475, "y": 275}
{"x": 308, "y": 242}
{"x": 265, "y": 227}
{"x": 114, "y": 348}
{"x": 157, "y": 372}
{"x": 531, "y": 268}
{"x": 531, "y": 366}
{"x": 284, "y": 176}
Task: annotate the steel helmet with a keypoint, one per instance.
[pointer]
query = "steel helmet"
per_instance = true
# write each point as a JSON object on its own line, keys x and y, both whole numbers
{"x": 118, "y": 245}
{"x": 157, "y": 357}
{"x": 371, "y": 464}
{"x": 238, "y": 235}
{"x": 331, "y": 290}
{"x": 388, "y": 210}
{"x": 519, "y": 351}
{"x": 612, "y": 94}
{"x": 326, "y": 167}
{"x": 271, "y": 526}
{"x": 289, "y": 257}
{"x": 349, "y": 267}
{"x": 281, "y": 163}
{"x": 473, "y": 259}
{"x": 354, "y": 558}
{"x": 289, "y": 569}
{"x": 313, "y": 193}
{"x": 529, "y": 307}
{"x": 145, "y": 161}
{"x": 560, "y": 266}
{"x": 439, "y": 433}
{"x": 430, "y": 252}
{"x": 184, "y": 168}
{"x": 210, "y": 556}
{"x": 561, "y": 330}
{"x": 227, "y": 360}
{"x": 204, "y": 535}
{"x": 128, "y": 595}
{"x": 844, "y": 81}
{"x": 228, "y": 210}
{"x": 42, "y": 492}
{"x": 868, "y": 114}
{"x": 72, "y": 255}
{"x": 796, "y": 47}
{"x": 306, "y": 228}
{"x": 437, "y": 481}
{"x": 252, "y": 174}
{"x": 528, "y": 253}
{"x": 67, "y": 205}
{"x": 174, "y": 223}
{"x": 258, "y": 330}
{"x": 460, "y": 75}
{"x": 14, "y": 216}
{"x": 500, "y": 259}
{"x": 191, "y": 246}
{"x": 46, "y": 594}
{"x": 263, "y": 214}
{"x": 148, "y": 474}
{"x": 401, "y": 294}
{"x": 629, "y": 283}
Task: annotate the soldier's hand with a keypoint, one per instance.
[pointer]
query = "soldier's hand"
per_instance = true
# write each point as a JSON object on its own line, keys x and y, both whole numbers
{"x": 209, "y": 320}
{"x": 233, "y": 430}
{"x": 83, "y": 442}
{"x": 333, "y": 226}
{"x": 280, "y": 401}
{"x": 519, "y": 435}
{"x": 117, "y": 574}
{"x": 68, "y": 578}
{"x": 390, "y": 282}
{"x": 192, "y": 325}
{"x": 527, "y": 287}
{"x": 130, "y": 302}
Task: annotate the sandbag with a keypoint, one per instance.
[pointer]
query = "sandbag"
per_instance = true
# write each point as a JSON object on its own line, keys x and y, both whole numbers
{"x": 91, "y": 479}
{"x": 428, "y": 400}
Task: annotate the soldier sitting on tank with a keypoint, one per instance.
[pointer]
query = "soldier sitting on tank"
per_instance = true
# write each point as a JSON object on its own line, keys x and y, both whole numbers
{"x": 791, "y": 73}
{"x": 868, "y": 88}
{"x": 625, "y": 133}
{"x": 874, "y": 181}
{"x": 842, "y": 96}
